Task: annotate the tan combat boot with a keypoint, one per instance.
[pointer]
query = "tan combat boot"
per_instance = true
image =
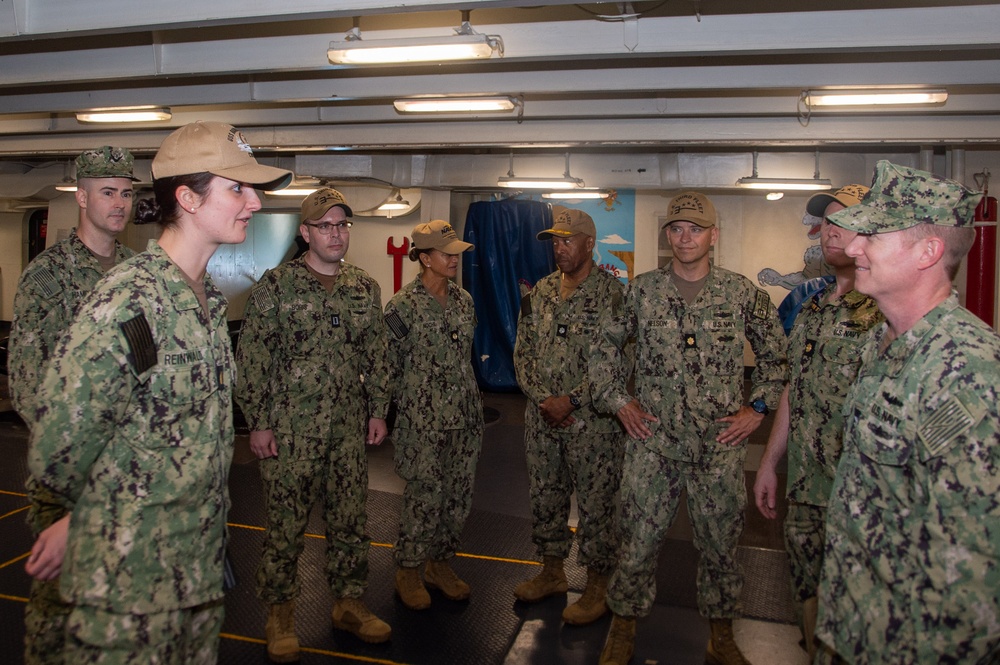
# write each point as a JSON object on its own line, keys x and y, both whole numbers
{"x": 439, "y": 575}
{"x": 411, "y": 589}
{"x": 350, "y": 614}
{"x": 590, "y": 606}
{"x": 282, "y": 643}
{"x": 549, "y": 582}
{"x": 810, "y": 609}
{"x": 620, "y": 644}
{"x": 722, "y": 649}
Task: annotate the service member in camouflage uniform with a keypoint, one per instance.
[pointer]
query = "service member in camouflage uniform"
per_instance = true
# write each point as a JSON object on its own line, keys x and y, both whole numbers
{"x": 134, "y": 429}
{"x": 313, "y": 385}
{"x": 570, "y": 446}
{"x": 688, "y": 424}
{"x": 824, "y": 356}
{"x": 439, "y": 414}
{"x": 912, "y": 569}
{"x": 48, "y": 295}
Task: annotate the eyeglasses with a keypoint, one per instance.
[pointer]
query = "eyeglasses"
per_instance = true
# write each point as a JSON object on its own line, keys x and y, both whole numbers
{"x": 326, "y": 228}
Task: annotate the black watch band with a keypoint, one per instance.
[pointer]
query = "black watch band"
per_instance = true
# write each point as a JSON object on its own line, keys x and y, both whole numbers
{"x": 575, "y": 401}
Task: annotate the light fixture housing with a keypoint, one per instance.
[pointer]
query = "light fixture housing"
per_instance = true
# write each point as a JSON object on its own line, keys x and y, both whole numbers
{"x": 125, "y": 114}
{"x": 67, "y": 185}
{"x": 395, "y": 204}
{"x": 578, "y": 194}
{"x": 465, "y": 44}
{"x": 456, "y": 104}
{"x": 874, "y": 97}
{"x": 785, "y": 184}
{"x": 512, "y": 181}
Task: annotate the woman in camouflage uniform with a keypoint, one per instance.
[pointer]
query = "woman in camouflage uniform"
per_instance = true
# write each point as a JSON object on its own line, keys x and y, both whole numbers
{"x": 135, "y": 433}
{"x": 439, "y": 417}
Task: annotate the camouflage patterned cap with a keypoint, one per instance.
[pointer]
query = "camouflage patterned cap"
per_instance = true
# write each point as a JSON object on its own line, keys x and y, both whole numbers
{"x": 319, "y": 202}
{"x": 105, "y": 162}
{"x": 569, "y": 222}
{"x": 847, "y": 196}
{"x": 691, "y": 207}
{"x": 902, "y": 197}
{"x": 438, "y": 234}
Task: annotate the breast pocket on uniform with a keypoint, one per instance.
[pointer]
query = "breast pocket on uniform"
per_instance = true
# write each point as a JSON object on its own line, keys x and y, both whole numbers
{"x": 179, "y": 389}
{"x": 881, "y": 432}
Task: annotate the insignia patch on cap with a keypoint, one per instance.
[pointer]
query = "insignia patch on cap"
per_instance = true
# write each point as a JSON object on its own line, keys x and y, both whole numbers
{"x": 46, "y": 281}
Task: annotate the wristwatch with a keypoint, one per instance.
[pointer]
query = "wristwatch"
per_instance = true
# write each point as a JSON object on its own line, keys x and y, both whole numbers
{"x": 574, "y": 400}
{"x": 760, "y": 406}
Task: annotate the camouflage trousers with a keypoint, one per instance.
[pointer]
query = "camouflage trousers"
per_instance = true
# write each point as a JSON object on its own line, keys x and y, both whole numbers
{"x": 188, "y": 636}
{"x": 589, "y": 464}
{"x": 45, "y": 624}
{"x": 805, "y": 536}
{"x": 46, "y": 611}
{"x": 439, "y": 468}
{"x": 306, "y": 471}
{"x": 650, "y": 495}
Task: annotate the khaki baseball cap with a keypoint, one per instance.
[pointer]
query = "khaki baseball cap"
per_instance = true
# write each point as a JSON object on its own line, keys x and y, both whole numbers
{"x": 691, "y": 207}
{"x": 319, "y": 202}
{"x": 902, "y": 197}
{"x": 438, "y": 234}
{"x": 105, "y": 162}
{"x": 216, "y": 148}
{"x": 569, "y": 222}
{"x": 847, "y": 196}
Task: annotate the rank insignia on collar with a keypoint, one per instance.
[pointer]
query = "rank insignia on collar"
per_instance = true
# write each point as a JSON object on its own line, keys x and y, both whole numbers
{"x": 335, "y": 320}
{"x": 562, "y": 330}
{"x": 690, "y": 341}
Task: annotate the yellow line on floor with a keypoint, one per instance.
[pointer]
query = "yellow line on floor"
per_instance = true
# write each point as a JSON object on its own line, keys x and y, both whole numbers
{"x": 4, "y": 596}
{"x": 12, "y": 493}
{"x": 321, "y": 652}
{"x": 483, "y": 557}
{"x": 15, "y": 560}
{"x": 14, "y": 512}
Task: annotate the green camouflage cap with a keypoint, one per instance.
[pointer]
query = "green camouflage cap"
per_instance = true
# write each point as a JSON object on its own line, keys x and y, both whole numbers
{"x": 902, "y": 197}
{"x": 105, "y": 162}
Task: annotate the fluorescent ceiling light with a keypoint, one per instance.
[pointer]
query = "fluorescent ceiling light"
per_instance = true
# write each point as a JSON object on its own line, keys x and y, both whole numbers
{"x": 578, "y": 194}
{"x": 891, "y": 97}
{"x": 797, "y": 184}
{"x": 775, "y": 196}
{"x": 519, "y": 182}
{"x": 530, "y": 182}
{"x": 455, "y": 104}
{"x": 132, "y": 114}
{"x": 466, "y": 44}
{"x": 392, "y": 204}
{"x": 292, "y": 191}
{"x": 66, "y": 186}
{"x": 778, "y": 184}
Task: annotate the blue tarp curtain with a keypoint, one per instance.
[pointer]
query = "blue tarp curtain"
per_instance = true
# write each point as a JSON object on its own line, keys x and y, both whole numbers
{"x": 507, "y": 255}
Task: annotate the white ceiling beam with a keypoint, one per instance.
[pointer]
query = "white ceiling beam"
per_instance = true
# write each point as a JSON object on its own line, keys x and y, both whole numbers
{"x": 634, "y": 133}
{"x": 61, "y": 18}
{"x": 790, "y": 79}
{"x": 875, "y": 30}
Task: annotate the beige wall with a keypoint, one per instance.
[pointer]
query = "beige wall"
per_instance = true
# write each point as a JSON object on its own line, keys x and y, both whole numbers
{"x": 12, "y": 239}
